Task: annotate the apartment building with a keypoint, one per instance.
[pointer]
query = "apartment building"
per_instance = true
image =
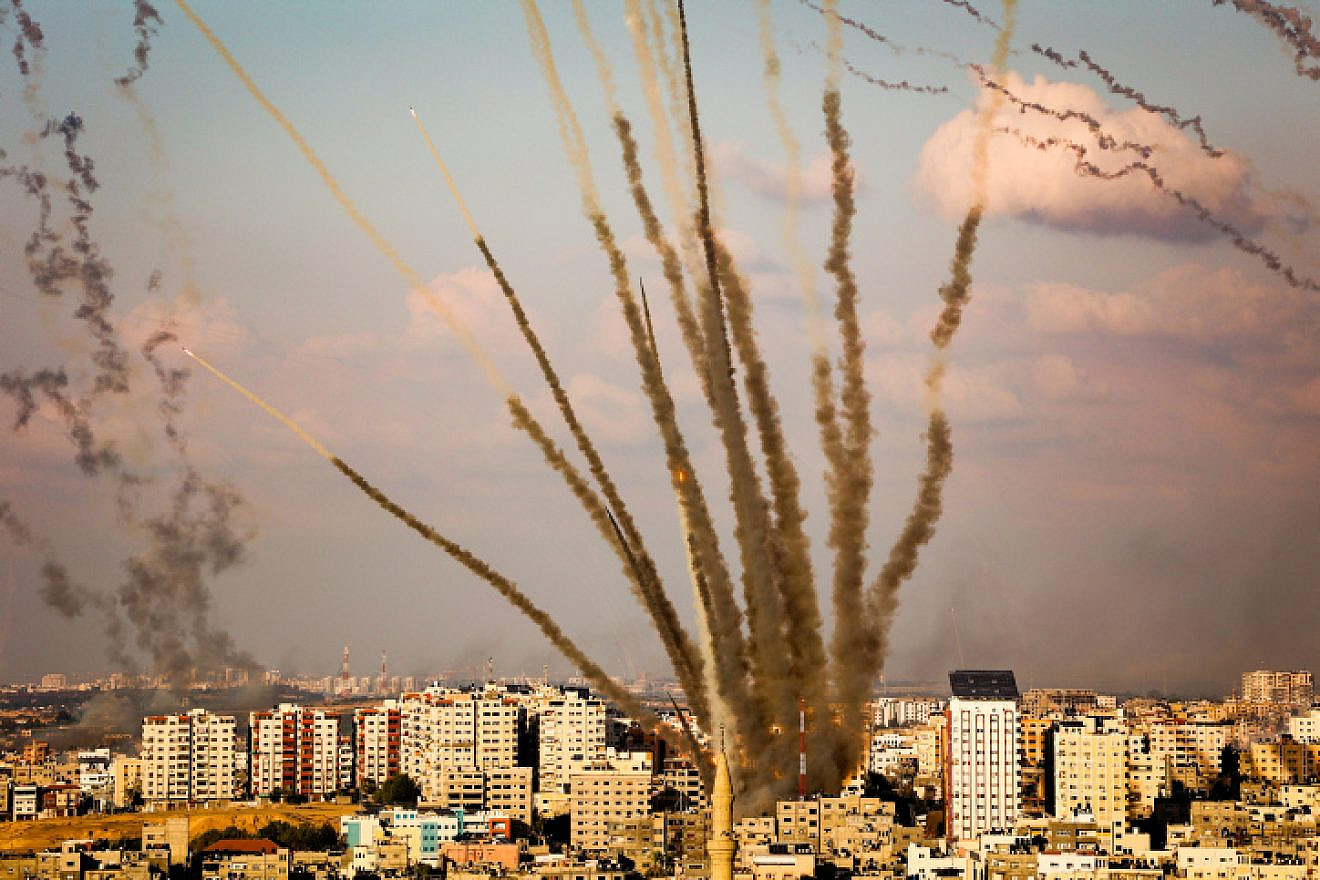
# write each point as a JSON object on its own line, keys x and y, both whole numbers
{"x": 1090, "y": 769}
{"x": 1278, "y": 688}
{"x": 982, "y": 770}
{"x": 603, "y": 803}
{"x": 377, "y": 737}
{"x": 189, "y": 759}
{"x": 294, "y": 749}
{"x": 571, "y": 738}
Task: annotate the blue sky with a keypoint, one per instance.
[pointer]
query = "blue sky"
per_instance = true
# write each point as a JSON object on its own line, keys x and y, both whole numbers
{"x": 1135, "y": 403}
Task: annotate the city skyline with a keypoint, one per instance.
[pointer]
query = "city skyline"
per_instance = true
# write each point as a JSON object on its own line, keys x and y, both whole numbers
{"x": 1132, "y": 399}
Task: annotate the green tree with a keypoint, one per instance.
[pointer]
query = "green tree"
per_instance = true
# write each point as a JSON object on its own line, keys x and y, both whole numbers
{"x": 398, "y": 789}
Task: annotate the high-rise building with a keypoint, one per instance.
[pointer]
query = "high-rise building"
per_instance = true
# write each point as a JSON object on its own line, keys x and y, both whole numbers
{"x": 571, "y": 737}
{"x": 1278, "y": 688}
{"x": 982, "y": 770}
{"x": 294, "y": 749}
{"x": 189, "y": 759}
{"x": 443, "y": 731}
{"x": 377, "y": 732}
{"x": 1090, "y": 769}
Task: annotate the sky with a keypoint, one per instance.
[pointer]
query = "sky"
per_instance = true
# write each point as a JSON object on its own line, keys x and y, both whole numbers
{"x": 1134, "y": 401}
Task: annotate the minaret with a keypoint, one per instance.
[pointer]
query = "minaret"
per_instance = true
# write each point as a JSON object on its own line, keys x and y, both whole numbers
{"x": 720, "y": 846}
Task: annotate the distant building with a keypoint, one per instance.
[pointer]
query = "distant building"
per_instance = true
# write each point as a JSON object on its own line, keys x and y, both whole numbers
{"x": 983, "y": 772}
{"x": 1278, "y": 688}
{"x": 54, "y": 681}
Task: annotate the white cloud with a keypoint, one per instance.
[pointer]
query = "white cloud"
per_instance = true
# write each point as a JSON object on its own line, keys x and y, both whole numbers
{"x": 1043, "y": 186}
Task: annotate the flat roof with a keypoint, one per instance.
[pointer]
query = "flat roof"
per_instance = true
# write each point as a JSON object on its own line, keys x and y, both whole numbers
{"x": 985, "y": 684}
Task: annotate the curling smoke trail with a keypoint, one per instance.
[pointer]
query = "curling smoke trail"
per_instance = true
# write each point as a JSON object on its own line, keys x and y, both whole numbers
{"x": 146, "y": 21}
{"x": 1170, "y": 114}
{"x": 406, "y": 271}
{"x": 971, "y": 10}
{"x": 640, "y": 569}
{"x": 880, "y": 38}
{"x": 466, "y": 558}
{"x": 1203, "y": 214}
{"x": 29, "y": 35}
{"x": 1291, "y": 27}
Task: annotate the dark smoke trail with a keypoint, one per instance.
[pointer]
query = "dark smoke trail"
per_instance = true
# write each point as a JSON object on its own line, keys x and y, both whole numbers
{"x": 1115, "y": 87}
{"x": 645, "y": 576}
{"x": 974, "y": 13}
{"x": 759, "y": 579}
{"x": 1203, "y": 214}
{"x": 639, "y": 567}
{"x": 670, "y": 263}
{"x": 172, "y": 381}
{"x": 144, "y": 14}
{"x": 805, "y": 669}
{"x": 733, "y": 670}
{"x": 896, "y": 48}
{"x": 58, "y": 590}
{"x": 1290, "y": 26}
{"x": 917, "y": 531}
{"x": 92, "y": 455}
{"x": 29, "y": 32}
{"x": 516, "y": 597}
{"x": 1103, "y": 138}
{"x": 850, "y": 486}
{"x": 954, "y": 292}
{"x": 900, "y": 86}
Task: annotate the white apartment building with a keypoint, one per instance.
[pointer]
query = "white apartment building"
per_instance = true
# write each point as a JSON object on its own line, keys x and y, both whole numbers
{"x": 443, "y": 731}
{"x": 983, "y": 770}
{"x": 377, "y": 732}
{"x": 571, "y": 736}
{"x": 1090, "y": 769}
{"x": 294, "y": 749}
{"x": 189, "y": 759}
{"x": 903, "y": 711}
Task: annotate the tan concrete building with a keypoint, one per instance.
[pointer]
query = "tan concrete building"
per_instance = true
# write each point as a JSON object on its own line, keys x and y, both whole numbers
{"x": 189, "y": 759}
{"x": 1090, "y": 768}
{"x": 598, "y": 798}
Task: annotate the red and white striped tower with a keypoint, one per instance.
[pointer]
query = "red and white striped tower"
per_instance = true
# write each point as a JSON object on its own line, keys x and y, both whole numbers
{"x": 802, "y": 749}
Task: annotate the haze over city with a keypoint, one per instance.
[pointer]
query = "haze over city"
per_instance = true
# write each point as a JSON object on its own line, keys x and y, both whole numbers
{"x": 1134, "y": 401}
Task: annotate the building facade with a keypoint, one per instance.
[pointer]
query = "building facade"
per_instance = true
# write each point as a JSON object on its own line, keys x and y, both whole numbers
{"x": 982, "y": 769}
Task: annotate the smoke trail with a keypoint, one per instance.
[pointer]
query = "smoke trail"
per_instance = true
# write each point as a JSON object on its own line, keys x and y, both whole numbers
{"x": 1115, "y": 87}
{"x": 733, "y": 663}
{"x": 409, "y": 274}
{"x": 895, "y": 48}
{"x": 29, "y": 33}
{"x": 1203, "y": 214}
{"x": 172, "y": 380}
{"x": 58, "y": 590}
{"x": 644, "y": 576}
{"x": 643, "y": 23}
{"x": 974, "y": 13}
{"x": 850, "y": 486}
{"x": 502, "y": 585}
{"x": 1290, "y": 26}
{"x": 92, "y": 455}
{"x": 1103, "y": 139}
{"x": 144, "y": 14}
{"x": 790, "y": 228}
{"x": 900, "y": 86}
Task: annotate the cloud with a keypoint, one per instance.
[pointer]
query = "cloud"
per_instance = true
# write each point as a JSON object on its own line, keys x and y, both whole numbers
{"x": 770, "y": 179}
{"x": 1044, "y": 187}
{"x": 1187, "y": 302}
